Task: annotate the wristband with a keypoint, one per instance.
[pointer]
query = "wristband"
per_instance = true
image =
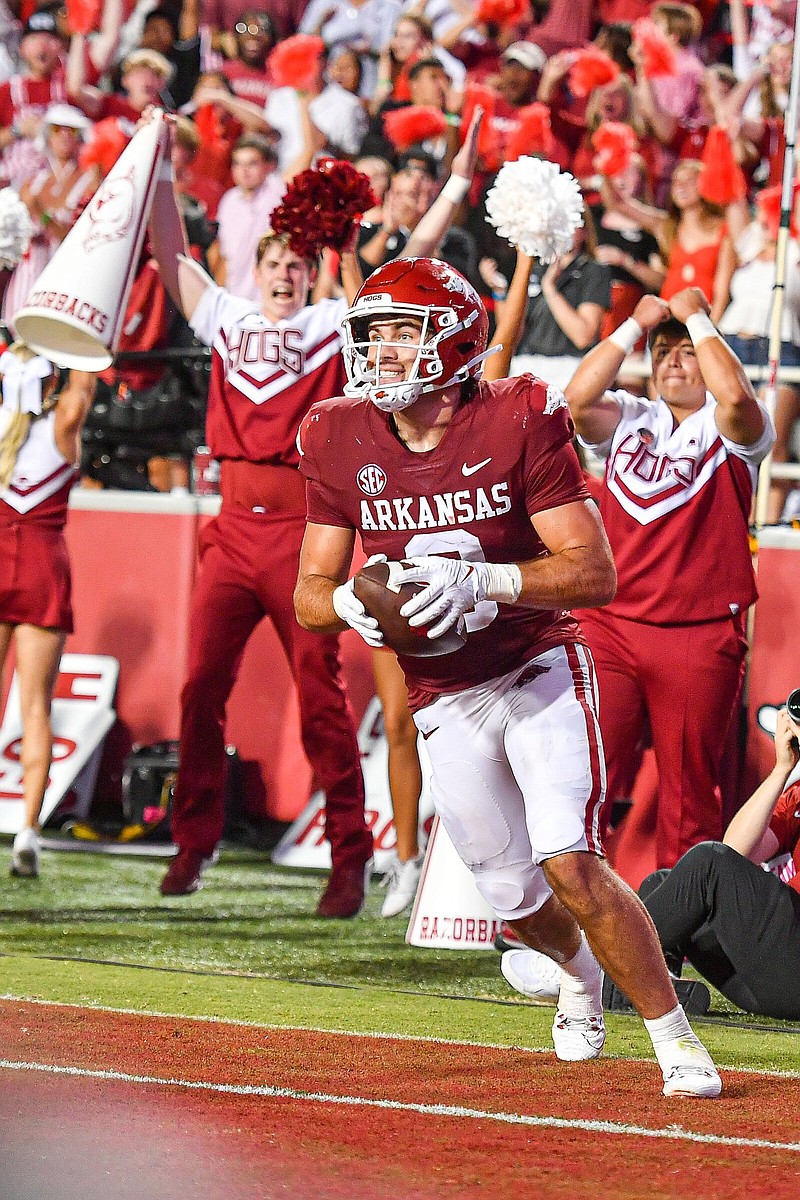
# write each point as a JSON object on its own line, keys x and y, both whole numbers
{"x": 45, "y": 218}
{"x": 502, "y": 582}
{"x": 456, "y": 188}
{"x": 626, "y": 337}
{"x": 700, "y": 328}
{"x": 499, "y": 297}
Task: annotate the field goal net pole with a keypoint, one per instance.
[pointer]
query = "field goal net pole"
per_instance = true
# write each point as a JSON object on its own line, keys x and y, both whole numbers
{"x": 781, "y": 252}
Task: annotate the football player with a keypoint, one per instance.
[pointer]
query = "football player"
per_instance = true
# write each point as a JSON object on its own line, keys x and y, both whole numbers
{"x": 478, "y": 484}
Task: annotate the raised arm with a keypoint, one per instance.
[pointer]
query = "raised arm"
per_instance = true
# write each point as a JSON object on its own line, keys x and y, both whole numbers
{"x": 749, "y": 831}
{"x": 738, "y": 414}
{"x": 510, "y": 319}
{"x": 71, "y": 412}
{"x": 425, "y": 239}
{"x": 596, "y": 413}
{"x": 184, "y": 279}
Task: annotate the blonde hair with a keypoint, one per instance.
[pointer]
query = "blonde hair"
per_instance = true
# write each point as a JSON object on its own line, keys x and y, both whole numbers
{"x": 148, "y": 58}
{"x": 19, "y": 425}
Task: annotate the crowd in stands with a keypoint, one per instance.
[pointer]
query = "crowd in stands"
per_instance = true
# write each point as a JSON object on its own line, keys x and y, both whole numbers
{"x": 670, "y": 115}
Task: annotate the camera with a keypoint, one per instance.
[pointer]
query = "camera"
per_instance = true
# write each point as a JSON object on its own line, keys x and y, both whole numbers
{"x": 793, "y": 705}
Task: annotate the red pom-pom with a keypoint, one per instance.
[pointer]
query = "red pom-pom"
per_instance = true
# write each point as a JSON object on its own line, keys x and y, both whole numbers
{"x": 407, "y": 126}
{"x": 320, "y": 205}
{"x": 478, "y": 95}
{"x": 83, "y": 16}
{"x": 615, "y": 144}
{"x": 721, "y": 179}
{"x": 107, "y": 139}
{"x": 769, "y": 205}
{"x": 658, "y": 53}
{"x": 295, "y": 61}
{"x": 534, "y": 135}
{"x": 591, "y": 68}
{"x": 502, "y": 12}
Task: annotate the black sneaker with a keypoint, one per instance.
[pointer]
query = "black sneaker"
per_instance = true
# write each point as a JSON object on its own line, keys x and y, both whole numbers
{"x": 692, "y": 994}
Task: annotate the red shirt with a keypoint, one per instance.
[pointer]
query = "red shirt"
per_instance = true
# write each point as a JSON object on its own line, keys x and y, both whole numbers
{"x": 250, "y": 83}
{"x": 266, "y": 376}
{"x": 785, "y": 824}
{"x": 22, "y": 94}
{"x": 506, "y": 455}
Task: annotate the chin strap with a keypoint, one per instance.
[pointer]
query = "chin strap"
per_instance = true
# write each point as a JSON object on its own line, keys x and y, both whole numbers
{"x": 463, "y": 372}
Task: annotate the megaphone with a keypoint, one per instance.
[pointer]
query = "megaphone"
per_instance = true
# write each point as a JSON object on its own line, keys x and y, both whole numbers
{"x": 75, "y": 311}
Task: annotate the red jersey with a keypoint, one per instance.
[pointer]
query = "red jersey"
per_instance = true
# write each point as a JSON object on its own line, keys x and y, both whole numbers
{"x": 785, "y": 824}
{"x": 249, "y": 83}
{"x": 265, "y": 376}
{"x": 676, "y": 504}
{"x": 506, "y": 455}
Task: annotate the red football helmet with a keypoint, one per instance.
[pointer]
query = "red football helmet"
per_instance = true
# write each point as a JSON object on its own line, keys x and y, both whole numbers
{"x": 452, "y": 341}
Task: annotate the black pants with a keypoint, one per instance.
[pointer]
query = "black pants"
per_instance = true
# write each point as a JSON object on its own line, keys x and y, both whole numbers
{"x": 737, "y": 924}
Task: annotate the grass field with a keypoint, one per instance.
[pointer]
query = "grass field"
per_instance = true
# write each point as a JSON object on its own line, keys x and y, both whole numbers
{"x": 93, "y": 930}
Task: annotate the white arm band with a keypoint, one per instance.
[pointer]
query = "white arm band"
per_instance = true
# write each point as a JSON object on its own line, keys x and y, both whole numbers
{"x": 456, "y": 188}
{"x": 700, "y": 328}
{"x": 503, "y": 582}
{"x": 626, "y": 337}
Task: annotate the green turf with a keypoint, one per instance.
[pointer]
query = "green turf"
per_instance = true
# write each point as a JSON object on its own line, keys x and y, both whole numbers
{"x": 247, "y": 947}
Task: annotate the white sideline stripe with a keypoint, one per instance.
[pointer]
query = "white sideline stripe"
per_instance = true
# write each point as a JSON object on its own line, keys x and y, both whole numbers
{"x": 669, "y": 1133}
{"x": 354, "y": 1033}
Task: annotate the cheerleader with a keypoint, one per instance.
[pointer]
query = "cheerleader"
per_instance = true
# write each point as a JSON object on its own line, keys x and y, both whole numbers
{"x": 40, "y": 430}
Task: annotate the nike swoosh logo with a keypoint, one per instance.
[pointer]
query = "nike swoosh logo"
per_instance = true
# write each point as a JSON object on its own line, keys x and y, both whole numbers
{"x": 465, "y": 470}
{"x": 430, "y": 733}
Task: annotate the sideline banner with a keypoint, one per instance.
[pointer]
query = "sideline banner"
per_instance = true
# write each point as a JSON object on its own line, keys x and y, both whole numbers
{"x": 304, "y": 845}
{"x": 449, "y": 912}
{"x": 82, "y": 714}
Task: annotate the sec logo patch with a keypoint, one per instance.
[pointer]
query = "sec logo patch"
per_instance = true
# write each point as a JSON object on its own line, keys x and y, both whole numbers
{"x": 371, "y": 479}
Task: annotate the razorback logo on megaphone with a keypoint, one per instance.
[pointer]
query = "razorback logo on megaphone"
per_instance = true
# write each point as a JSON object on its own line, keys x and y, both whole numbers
{"x": 74, "y": 315}
{"x": 110, "y": 212}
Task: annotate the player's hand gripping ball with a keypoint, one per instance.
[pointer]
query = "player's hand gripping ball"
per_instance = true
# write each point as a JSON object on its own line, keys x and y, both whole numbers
{"x": 380, "y": 588}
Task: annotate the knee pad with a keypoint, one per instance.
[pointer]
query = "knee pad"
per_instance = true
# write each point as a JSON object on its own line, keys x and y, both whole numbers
{"x": 557, "y": 833}
{"x": 513, "y": 891}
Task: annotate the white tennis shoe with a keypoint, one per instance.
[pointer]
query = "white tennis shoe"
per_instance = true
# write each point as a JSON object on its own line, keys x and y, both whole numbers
{"x": 25, "y": 854}
{"x": 576, "y": 1039}
{"x": 532, "y": 974}
{"x": 688, "y": 1069}
{"x": 401, "y": 882}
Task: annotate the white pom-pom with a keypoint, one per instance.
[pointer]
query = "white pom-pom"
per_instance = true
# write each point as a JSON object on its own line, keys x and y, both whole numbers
{"x": 536, "y": 206}
{"x": 16, "y": 228}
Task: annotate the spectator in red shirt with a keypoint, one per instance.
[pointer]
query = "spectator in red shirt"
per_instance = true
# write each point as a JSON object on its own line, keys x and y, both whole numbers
{"x": 247, "y": 72}
{"x": 25, "y": 97}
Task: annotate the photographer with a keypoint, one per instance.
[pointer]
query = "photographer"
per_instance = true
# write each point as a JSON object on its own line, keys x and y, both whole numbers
{"x": 733, "y": 907}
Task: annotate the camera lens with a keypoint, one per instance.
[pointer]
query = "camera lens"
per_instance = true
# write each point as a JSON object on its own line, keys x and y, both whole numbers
{"x": 793, "y": 705}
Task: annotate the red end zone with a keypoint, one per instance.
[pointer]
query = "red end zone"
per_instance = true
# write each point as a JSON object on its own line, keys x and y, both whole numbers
{"x": 98, "y": 1104}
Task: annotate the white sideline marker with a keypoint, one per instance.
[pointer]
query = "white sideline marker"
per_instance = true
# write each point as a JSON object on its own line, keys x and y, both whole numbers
{"x": 615, "y": 1128}
{"x": 82, "y": 714}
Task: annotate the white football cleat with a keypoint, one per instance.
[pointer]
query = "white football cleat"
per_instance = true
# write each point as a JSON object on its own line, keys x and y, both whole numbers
{"x": 25, "y": 854}
{"x": 577, "y": 1039}
{"x": 688, "y": 1069}
{"x": 532, "y": 974}
{"x": 401, "y": 882}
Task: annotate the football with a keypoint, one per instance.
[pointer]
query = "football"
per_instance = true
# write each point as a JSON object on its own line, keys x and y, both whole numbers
{"x": 383, "y": 597}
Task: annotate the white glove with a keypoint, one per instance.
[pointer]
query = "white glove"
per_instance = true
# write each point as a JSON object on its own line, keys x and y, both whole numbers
{"x": 455, "y": 586}
{"x": 349, "y": 608}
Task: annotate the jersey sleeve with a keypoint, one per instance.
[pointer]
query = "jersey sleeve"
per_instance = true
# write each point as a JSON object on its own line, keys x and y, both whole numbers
{"x": 759, "y": 450}
{"x": 630, "y": 409}
{"x": 322, "y": 507}
{"x": 785, "y": 822}
{"x": 218, "y": 310}
{"x": 552, "y": 473}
